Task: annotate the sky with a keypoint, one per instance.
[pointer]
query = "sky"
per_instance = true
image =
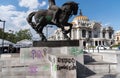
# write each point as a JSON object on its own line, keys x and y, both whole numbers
{"x": 14, "y": 12}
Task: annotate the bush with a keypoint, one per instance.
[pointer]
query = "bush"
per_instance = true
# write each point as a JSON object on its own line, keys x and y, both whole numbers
{"x": 116, "y": 45}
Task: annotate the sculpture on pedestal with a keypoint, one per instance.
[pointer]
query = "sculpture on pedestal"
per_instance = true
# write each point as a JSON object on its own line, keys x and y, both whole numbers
{"x": 58, "y": 16}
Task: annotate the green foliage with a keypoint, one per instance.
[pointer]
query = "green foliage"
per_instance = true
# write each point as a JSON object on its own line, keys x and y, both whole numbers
{"x": 1, "y": 33}
{"x": 116, "y": 45}
{"x": 23, "y": 34}
{"x": 18, "y": 36}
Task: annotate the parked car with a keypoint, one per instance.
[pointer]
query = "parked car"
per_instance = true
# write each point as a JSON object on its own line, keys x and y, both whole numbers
{"x": 102, "y": 47}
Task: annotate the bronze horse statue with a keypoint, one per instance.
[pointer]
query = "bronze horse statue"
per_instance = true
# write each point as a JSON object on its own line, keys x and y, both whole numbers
{"x": 44, "y": 17}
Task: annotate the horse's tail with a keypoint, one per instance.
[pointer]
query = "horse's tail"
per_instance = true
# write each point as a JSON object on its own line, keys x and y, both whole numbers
{"x": 29, "y": 19}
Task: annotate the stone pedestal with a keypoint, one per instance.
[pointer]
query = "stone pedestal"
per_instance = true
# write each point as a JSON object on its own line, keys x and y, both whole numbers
{"x": 60, "y": 56}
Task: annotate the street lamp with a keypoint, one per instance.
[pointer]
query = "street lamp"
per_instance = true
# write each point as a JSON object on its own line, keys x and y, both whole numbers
{"x": 3, "y": 34}
{"x": 48, "y": 26}
{"x": 12, "y": 35}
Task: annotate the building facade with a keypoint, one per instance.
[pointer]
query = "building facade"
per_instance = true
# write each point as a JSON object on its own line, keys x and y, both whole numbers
{"x": 117, "y": 37}
{"x": 88, "y": 32}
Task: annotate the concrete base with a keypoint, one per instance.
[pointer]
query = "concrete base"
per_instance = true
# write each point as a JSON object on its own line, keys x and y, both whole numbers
{"x": 56, "y": 57}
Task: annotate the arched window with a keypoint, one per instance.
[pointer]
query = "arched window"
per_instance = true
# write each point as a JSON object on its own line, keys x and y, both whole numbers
{"x": 110, "y": 35}
{"x": 96, "y": 43}
{"x": 83, "y": 33}
{"x": 90, "y": 34}
{"x": 84, "y": 44}
{"x": 103, "y": 34}
{"x": 99, "y": 42}
{"x": 117, "y": 38}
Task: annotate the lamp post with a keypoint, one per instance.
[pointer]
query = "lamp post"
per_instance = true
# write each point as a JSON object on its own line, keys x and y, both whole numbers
{"x": 12, "y": 33}
{"x": 3, "y": 34}
{"x": 49, "y": 26}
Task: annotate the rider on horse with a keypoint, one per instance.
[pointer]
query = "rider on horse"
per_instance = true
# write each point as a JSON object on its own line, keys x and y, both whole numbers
{"x": 55, "y": 9}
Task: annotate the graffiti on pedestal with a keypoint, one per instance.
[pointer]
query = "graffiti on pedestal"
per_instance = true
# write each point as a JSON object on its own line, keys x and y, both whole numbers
{"x": 60, "y": 63}
{"x": 75, "y": 51}
{"x": 66, "y": 63}
{"x": 37, "y": 53}
{"x": 34, "y": 53}
{"x": 33, "y": 69}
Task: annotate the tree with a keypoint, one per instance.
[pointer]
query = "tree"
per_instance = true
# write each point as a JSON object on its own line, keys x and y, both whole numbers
{"x": 1, "y": 33}
{"x": 23, "y": 34}
{"x": 18, "y": 36}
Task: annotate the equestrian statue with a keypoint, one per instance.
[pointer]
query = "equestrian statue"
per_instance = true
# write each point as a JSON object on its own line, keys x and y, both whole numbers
{"x": 54, "y": 15}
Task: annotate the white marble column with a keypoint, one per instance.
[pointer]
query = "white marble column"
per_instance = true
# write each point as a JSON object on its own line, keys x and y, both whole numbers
{"x": 101, "y": 34}
{"x": 107, "y": 35}
{"x": 72, "y": 34}
{"x": 78, "y": 33}
{"x": 87, "y": 34}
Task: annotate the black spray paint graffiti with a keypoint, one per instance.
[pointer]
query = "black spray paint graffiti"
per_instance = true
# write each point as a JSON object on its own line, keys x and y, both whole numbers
{"x": 67, "y": 67}
{"x": 67, "y": 63}
{"x": 66, "y": 60}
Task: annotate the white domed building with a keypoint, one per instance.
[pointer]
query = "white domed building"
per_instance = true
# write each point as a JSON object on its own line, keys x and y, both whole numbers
{"x": 88, "y": 32}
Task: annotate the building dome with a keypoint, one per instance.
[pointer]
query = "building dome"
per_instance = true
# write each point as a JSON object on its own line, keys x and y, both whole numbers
{"x": 81, "y": 17}
{"x": 84, "y": 18}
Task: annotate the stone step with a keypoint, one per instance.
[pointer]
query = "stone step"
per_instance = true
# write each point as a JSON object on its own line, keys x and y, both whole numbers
{"x": 25, "y": 77}
{"x": 25, "y": 74}
{"x": 105, "y": 75}
{"x": 100, "y": 67}
{"x": 38, "y": 70}
{"x": 18, "y": 62}
{"x": 92, "y": 58}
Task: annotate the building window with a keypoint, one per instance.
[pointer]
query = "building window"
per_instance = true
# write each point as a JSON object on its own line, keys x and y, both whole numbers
{"x": 96, "y": 43}
{"x": 117, "y": 38}
{"x": 99, "y": 42}
{"x": 110, "y": 35}
{"x": 90, "y": 34}
{"x": 83, "y": 33}
{"x": 103, "y": 34}
{"x": 83, "y": 24}
{"x": 103, "y": 42}
{"x": 58, "y": 37}
{"x": 95, "y": 36}
{"x": 79, "y": 23}
{"x": 84, "y": 44}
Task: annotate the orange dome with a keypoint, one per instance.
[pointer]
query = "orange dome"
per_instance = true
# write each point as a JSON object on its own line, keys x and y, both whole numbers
{"x": 81, "y": 17}
{"x": 84, "y": 18}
